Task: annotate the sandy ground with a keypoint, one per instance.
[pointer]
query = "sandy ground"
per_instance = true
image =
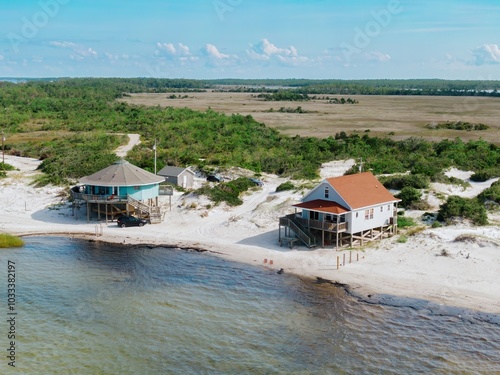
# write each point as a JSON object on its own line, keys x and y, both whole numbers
{"x": 456, "y": 266}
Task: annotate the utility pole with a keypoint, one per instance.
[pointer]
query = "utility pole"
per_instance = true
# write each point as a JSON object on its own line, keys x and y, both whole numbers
{"x": 154, "y": 148}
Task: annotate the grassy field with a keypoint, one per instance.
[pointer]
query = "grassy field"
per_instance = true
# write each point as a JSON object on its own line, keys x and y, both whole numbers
{"x": 396, "y": 116}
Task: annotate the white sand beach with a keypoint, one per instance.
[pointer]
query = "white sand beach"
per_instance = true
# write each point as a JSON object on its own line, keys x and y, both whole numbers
{"x": 457, "y": 266}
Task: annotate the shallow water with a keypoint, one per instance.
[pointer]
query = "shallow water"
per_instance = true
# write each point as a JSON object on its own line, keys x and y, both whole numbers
{"x": 92, "y": 308}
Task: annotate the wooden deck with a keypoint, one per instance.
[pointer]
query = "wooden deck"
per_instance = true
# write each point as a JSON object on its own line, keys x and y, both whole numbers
{"x": 327, "y": 226}
{"x": 327, "y": 234}
{"x": 112, "y": 206}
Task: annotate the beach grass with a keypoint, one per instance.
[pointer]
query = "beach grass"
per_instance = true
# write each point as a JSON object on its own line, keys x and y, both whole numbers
{"x": 7, "y": 240}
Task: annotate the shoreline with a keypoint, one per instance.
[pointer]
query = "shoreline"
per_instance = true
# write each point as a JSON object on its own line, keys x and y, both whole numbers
{"x": 466, "y": 278}
{"x": 375, "y": 298}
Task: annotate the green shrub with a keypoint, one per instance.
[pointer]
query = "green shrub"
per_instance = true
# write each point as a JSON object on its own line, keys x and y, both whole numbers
{"x": 484, "y": 175}
{"x": 228, "y": 192}
{"x": 6, "y": 167}
{"x": 398, "y": 182}
{"x": 7, "y": 240}
{"x": 491, "y": 194}
{"x": 288, "y": 185}
{"x": 402, "y": 239}
{"x": 459, "y": 125}
{"x": 409, "y": 196}
{"x": 456, "y": 207}
{"x": 405, "y": 222}
{"x": 444, "y": 179}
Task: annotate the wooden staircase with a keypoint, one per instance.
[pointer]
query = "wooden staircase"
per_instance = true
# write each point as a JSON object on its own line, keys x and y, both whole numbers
{"x": 300, "y": 231}
{"x": 154, "y": 213}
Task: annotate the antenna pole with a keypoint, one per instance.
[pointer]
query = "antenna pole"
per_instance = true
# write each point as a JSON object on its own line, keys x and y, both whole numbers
{"x": 154, "y": 148}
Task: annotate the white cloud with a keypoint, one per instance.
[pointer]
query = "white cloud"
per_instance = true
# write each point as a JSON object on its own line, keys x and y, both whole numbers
{"x": 265, "y": 50}
{"x": 179, "y": 52}
{"x": 166, "y": 47}
{"x": 79, "y": 52}
{"x": 172, "y": 50}
{"x": 487, "y": 54}
{"x": 184, "y": 49}
{"x": 377, "y": 56}
{"x": 1, "y": 57}
{"x": 215, "y": 58}
{"x": 112, "y": 57}
{"x": 214, "y": 52}
{"x": 64, "y": 44}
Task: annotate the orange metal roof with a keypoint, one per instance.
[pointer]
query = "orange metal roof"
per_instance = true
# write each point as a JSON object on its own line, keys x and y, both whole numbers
{"x": 321, "y": 205}
{"x": 361, "y": 190}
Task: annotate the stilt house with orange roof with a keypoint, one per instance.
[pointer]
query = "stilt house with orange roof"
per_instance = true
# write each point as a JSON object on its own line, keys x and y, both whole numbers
{"x": 342, "y": 211}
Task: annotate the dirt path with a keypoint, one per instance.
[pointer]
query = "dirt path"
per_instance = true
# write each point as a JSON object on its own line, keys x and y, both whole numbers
{"x": 133, "y": 139}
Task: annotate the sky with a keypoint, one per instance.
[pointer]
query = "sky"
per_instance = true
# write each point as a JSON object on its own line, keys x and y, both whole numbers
{"x": 209, "y": 39}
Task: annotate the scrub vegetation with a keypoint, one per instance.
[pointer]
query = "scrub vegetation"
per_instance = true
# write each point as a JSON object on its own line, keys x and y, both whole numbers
{"x": 74, "y": 125}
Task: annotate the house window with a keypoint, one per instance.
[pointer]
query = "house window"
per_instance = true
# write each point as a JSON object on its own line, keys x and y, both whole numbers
{"x": 369, "y": 214}
{"x": 357, "y": 214}
{"x": 388, "y": 207}
{"x": 137, "y": 188}
{"x": 313, "y": 215}
{"x": 327, "y": 192}
{"x": 381, "y": 208}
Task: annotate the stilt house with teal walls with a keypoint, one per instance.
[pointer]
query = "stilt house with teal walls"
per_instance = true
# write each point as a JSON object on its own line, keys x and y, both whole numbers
{"x": 120, "y": 189}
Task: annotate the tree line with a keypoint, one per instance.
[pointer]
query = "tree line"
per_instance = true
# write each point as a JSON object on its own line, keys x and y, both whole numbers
{"x": 191, "y": 137}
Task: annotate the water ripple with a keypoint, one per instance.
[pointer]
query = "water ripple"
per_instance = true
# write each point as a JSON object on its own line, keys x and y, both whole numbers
{"x": 90, "y": 308}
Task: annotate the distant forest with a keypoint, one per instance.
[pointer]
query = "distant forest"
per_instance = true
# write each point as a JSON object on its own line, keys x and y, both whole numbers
{"x": 301, "y": 86}
{"x": 74, "y": 125}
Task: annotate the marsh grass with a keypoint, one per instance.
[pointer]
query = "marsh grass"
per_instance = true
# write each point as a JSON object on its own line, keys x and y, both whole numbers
{"x": 7, "y": 240}
{"x": 399, "y": 117}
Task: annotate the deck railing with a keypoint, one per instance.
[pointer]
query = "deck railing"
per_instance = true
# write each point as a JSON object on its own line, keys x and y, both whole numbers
{"x": 96, "y": 198}
{"x": 153, "y": 212}
{"x": 321, "y": 225}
